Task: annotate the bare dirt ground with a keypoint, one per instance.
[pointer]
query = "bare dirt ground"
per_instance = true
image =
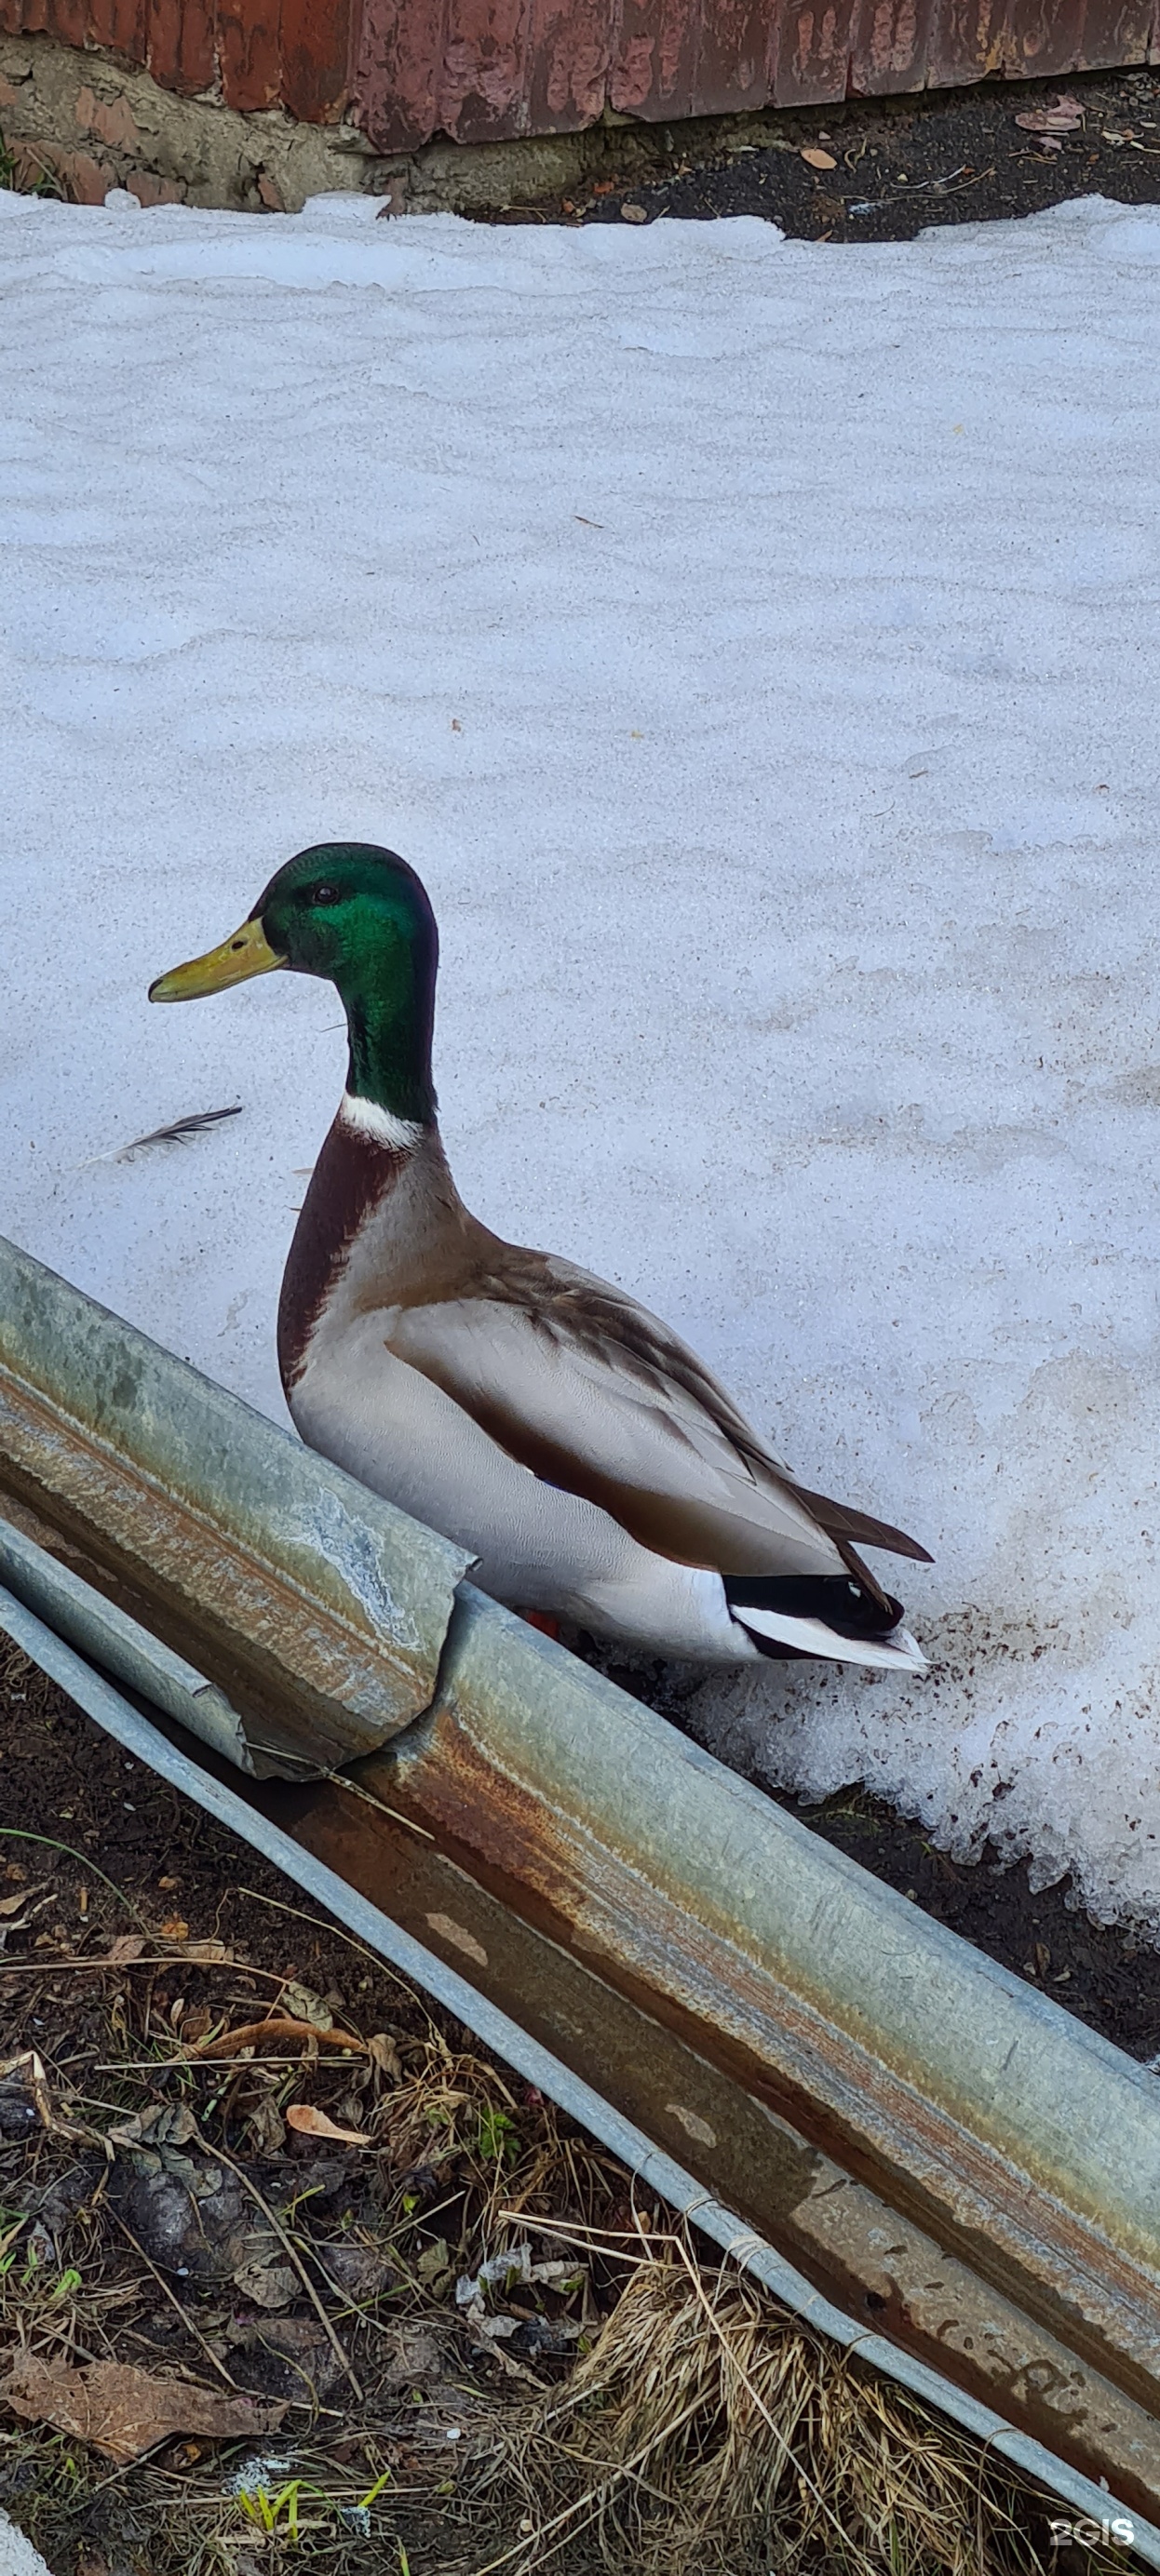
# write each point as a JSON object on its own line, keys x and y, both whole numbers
{"x": 885, "y": 169}
{"x": 293, "y": 2276}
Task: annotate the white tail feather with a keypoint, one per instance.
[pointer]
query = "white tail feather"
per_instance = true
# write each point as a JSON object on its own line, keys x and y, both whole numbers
{"x": 896, "y": 1653}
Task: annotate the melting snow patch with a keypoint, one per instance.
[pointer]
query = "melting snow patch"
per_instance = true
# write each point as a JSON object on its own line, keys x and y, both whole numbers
{"x": 755, "y": 646}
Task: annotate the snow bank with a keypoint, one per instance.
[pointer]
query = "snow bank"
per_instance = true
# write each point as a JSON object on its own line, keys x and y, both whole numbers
{"x": 755, "y": 646}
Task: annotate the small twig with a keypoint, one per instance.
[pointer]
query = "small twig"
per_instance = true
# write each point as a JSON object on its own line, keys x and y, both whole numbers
{"x": 175, "y": 2302}
{"x": 250, "y": 2033}
{"x": 334, "y": 2340}
{"x": 335, "y": 1932}
{"x": 339, "y": 1780}
{"x": 165, "y": 1959}
{"x": 185, "y": 2065}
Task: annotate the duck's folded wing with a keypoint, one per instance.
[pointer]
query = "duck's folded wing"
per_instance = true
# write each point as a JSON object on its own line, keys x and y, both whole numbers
{"x": 593, "y": 1394}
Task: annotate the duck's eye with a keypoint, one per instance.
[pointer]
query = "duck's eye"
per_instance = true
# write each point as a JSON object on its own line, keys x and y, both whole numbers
{"x": 324, "y": 894}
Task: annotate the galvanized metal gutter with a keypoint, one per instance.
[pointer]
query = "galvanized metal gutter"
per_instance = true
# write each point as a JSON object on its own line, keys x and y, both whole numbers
{"x": 318, "y": 1611}
{"x": 932, "y": 2144}
{"x": 658, "y": 2171}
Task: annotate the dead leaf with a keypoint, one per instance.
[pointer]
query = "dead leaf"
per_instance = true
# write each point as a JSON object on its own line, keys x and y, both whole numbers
{"x": 304, "y": 2005}
{"x": 434, "y": 2265}
{"x": 12, "y": 1919}
{"x": 1062, "y": 117}
{"x": 175, "y": 1928}
{"x": 360, "y": 2270}
{"x": 265, "y": 2127}
{"x": 165, "y": 2125}
{"x": 818, "y": 160}
{"x": 633, "y": 215}
{"x": 258, "y": 2034}
{"x": 315, "y": 2124}
{"x": 268, "y": 2285}
{"x": 384, "y": 2056}
{"x": 124, "y": 2412}
{"x": 122, "y": 1952}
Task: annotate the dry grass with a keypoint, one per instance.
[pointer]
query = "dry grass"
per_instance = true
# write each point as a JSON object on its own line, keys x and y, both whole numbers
{"x": 664, "y": 2417}
{"x": 707, "y": 2430}
{"x": 27, "y": 172}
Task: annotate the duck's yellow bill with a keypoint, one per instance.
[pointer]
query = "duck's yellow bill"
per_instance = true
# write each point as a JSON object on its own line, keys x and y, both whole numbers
{"x": 247, "y": 953}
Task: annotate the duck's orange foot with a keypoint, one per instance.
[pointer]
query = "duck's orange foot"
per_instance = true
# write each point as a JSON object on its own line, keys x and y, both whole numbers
{"x": 538, "y": 1619}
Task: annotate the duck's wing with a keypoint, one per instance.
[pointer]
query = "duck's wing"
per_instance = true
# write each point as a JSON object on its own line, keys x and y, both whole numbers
{"x": 843, "y": 1523}
{"x": 594, "y": 1395}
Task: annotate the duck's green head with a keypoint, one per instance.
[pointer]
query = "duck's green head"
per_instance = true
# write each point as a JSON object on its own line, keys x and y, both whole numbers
{"x": 359, "y": 917}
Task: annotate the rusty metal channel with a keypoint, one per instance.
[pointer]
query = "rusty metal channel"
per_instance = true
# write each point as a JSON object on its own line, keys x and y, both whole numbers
{"x": 627, "y": 2051}
{"x": 935, "y": 2147}
{"x": 948, "y": 2158}
{"x": 318, "y": 1611}
{"x": 210, "y": 1787}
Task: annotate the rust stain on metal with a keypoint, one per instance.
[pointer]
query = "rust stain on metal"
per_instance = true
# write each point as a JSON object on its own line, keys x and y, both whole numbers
{"x": 396, "y": 85}
{"x": 180, "y": 41}
{"x": 315, "y": 41}
{"x": 69, "y": 21}
{"x": 848, "y": 2238}
{"x": 237, "y": 1619}
{"x": 758, "y": 2006}
{"x": 494, "y": 69}
{"x": 835, "y": 2092}
{"x": 248, "y": 52}
{"x": 569, "y": 51}
{"x": 891, "y": 44}
{"x": 812, "y": 42}
{"x": 732, "y": 57}
{"x": 265, "y": 1569}
{"x": 121, "y": 24}
{"x": 485, "y": 69}
{"x": 654, "y": 68}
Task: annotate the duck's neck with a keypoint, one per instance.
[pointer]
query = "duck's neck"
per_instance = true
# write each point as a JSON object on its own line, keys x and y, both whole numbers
{"x": 389, "y": 1031}
{"x": 381, "y": 1181}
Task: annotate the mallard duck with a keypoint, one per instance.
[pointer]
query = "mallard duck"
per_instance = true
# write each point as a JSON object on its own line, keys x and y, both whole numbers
{"x": 530, "y": 1412}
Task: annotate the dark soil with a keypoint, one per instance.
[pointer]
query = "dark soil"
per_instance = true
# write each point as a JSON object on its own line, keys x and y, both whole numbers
{"x": 900, "y": 164}
{"x": 1109, "y": 1979}
{"x": 153, "y": 2205}
{"x": 131, "y": 1927}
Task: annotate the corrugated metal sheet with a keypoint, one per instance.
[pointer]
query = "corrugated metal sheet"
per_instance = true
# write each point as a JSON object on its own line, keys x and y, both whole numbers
{"x": 479, "y": 70}
{"x": 247, "y": 53}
